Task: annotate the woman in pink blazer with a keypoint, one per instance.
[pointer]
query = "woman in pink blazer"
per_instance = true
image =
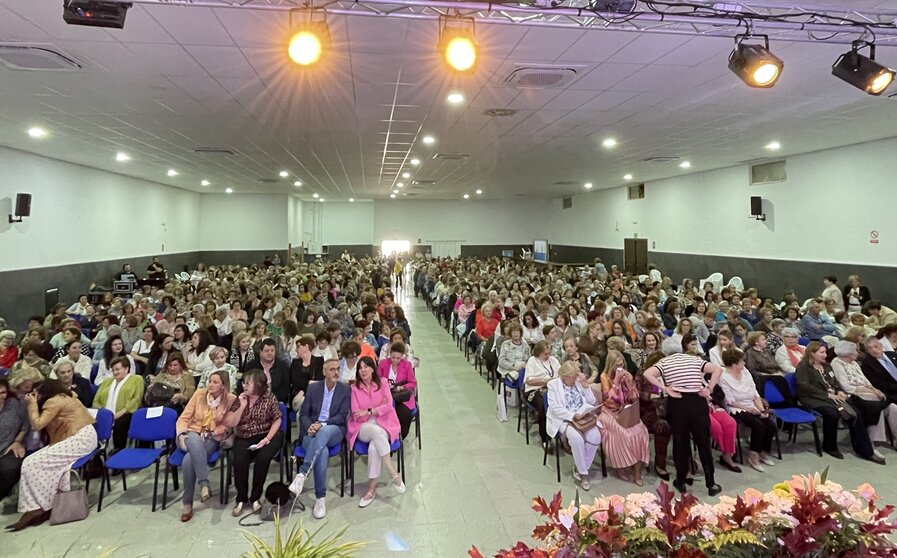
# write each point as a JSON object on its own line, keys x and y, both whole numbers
{"x": 400, "y": 373}
{"x": 373, "y": 420}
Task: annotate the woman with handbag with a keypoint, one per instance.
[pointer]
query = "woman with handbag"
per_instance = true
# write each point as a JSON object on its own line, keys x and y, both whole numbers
{"x": 201, "y": 430}
{"x": 748, "y": 408}
{"x": 625, "y": 438}
{"x": 122, "y": 394}
{"x": 52, "y": 408}
{"x": 653, "y": 410}
{"x": 571, "y": 413}
{"x": 872, "y": 403}
{"x": 176, "y": 379}
{"x": 818, "y": 390}
{"x": 402, "y": 381}
{"x": 541, "y": 368}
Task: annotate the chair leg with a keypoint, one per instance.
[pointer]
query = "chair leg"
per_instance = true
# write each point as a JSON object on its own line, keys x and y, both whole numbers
{"x": 402, "y": 459}
{"x": 352, "y": 473}
{"x": 342, "y": 472}
{"x": 156, "y": 484}
{"x": 103, "y": 483}
{"x": 526, "y": 423}
{"x": 778, "y": 445}
{"x": 124, "y": 482}
{"x": 603, "y": 463}
{"x": 221, "y": 469}
{"x": 174, "y": 477}
{"x": 417, "y": 428}
{"x": 557, "y": 458}
{"x": 816, "y": 439}
{"x": 168, "y": 470}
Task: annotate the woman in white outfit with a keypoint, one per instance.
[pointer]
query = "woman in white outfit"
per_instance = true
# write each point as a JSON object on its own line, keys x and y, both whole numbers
{"x": 570, "y": 399}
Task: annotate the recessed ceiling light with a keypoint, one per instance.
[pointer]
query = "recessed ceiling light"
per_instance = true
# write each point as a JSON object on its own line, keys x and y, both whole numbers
{"x": 37, "y": 132}
{"x": 395, "y": 191}
{"x": 587, "y": 185}
{"x": 414, "y": 162}
{"x": 229, "y": 191}
{"x": 455, "y": 98}
{"x": 315, "y": 195}
{"x": 429, "y": 140}
{"x": 351, "y": 200}
{"x": 400, "y": 184}
{"x": 321, "y": 200}
{"x": 479, "y": 192}
{"x": 627, "y": 177}
{"x": 297, "y": 184}
{"x": 284, "y": 174}
{"x": 685, "y": 165}
{"x": 609, "y": 142}
{"x": 406, "y": 175}
{"x": 122, "y": 157}
{"x": 393, "y": 196}
{"x": 466, "y": 196}
{"x": 172, "y": 172}
{"x": 773, "y": 146}
{"x": 205, "y": 182}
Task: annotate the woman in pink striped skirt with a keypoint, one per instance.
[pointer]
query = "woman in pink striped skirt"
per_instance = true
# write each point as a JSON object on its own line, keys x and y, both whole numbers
{"x": 626, "y": 449}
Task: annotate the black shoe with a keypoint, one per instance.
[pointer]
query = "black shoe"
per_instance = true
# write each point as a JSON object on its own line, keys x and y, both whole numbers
{"x": 680, "y": 486}
{"x": 877, "y": 459}
{"x": 836, "y": 454}
{"x": 714, "y": 490}
{"x": 662, "y": 476}
{"x": 733, "y": 468}
{"x": 689, "y": 481}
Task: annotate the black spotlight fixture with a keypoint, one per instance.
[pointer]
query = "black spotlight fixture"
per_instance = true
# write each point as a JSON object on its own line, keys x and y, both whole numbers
{"x": 95, "y": 13}
{"x": 863, "y": 72}
{"x": 755, "y": 64}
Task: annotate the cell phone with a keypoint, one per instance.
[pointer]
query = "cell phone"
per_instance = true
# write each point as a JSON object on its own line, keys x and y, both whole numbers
{"x": 253, "y": 447}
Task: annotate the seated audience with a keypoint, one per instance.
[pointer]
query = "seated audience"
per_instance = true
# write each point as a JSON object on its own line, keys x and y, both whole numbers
{"x": 220, "y": 364}
{"x": 880, "y": 368}
{"x": 763, "y": 366}
{"x": 513, "y": 354}
{"x": 322, "y": 424}
{"x": 625, "y": 438}
{"x": 121, "y": 393}
{"x": 888, "y": 337}
{"x": 878, "y": 316}
{"x": 179, "y": 383}
{"x": 276, "y": 372}
{"x": 748, "y": 408}
{"x": 113, "y": 349}
{"x": 14, "y": 426}
{"x": 403, "y": 383}
{"x": 878, "y": 413}
{"x": 541, "y": 368}
{"x": 789, "y": 355}
{"x": 373, "y": 420}
{"x": 74, "y": 381}
{"x": 815, "y": 326}
{"x": 241, "y": 354}
{"x": 571, "y": 414}
{"x": 9, "y": 353}
{"x": 73, "y": 355}
{"x": 158, "y": 357}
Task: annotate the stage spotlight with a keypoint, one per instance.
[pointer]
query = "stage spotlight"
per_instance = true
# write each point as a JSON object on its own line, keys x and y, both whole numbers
{"x": 863, "y": 72}
{"x": 458, "y": 43}
{"x": 755, "y": 64}
{"x": 311, "y": 37}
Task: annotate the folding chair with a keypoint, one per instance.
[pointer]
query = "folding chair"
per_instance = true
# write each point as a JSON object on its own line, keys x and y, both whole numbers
{"x": 103, "y": 426}
{"x": 557, "y": 453}
{"x": 361, "y": 448}
{"x": 332, "y": 451}
{"x": 790, "y": 415}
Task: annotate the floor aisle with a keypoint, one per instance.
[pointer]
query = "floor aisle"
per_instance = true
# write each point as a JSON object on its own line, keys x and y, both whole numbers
{"x": 471, "y": 484}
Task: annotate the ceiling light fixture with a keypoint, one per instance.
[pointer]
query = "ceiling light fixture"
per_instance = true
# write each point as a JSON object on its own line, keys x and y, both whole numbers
{"x": 284, "y": 174}
{"x": 36, "y": 132}
{"x": 400, "y": 184}
{"x": 863, "y": 72}
{"x": 479, "y": 192}
{"x": 311, "y": 38}
{"x": 587, "y": 185}
{"x": 685, "y": 165}
{"x": 609, "y": 143}
{"x": 392, "y": 196}
{"x": 414, "y": 162}
{"x": 297, "y": 184}
{"x": 627, "y": 177}
{"x": 229, "y": 191}
{"x": 455, "y": 98}
{"x": 458, "y": 43}
{"x": 406, "y": 175}
{"x": 205, "y": 183}
{"x": 429, "y": 140}
{"x": 773, "y": 146}
{"x": 172, "y": 173}
{"x": 122, "y": 157}
{"x": 466, "y": 196}
{"x": 351, "y": 200}
{"x": 755, "y": 65}
{"x": 315, "y": 195}
{"x": 395, "y": 191}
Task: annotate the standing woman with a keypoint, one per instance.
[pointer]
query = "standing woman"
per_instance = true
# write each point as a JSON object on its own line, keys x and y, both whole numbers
{"x": 681, "y": 377}
{"x": 855, "y": 295}
{"x": 13, "y": 428}
{"x": 122, "y": 394}
{"x": 400, "y": 373}
{"x": 201, "y": 429}
{"x": 373, "y": 420}
{"x": 53, "y": 409}
{"x": 626, "y": 446}
{"x": 257, "y": 438}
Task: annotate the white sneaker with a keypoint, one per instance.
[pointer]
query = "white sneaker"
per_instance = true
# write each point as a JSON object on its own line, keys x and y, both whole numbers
{"x": 296, "y": 485}
{"x": 398, "y": 484}
{"x": 320, "y": 509}
{"x": 256, "y": 506}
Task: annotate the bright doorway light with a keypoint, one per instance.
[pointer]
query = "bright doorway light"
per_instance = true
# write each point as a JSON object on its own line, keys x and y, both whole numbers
{"x": 388, "y": 247}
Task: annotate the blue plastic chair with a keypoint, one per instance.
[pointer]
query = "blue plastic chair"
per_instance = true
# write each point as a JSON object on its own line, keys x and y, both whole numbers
{"x": 103, "y": 426}
{"x": 332, "y": 451}
{"x": 557, "y": 453}
{"x": 281, "y": 454}
{"x": 791, "y": 415}
{"x": 361, "y": 448}
{"x": 93, "y": 372}
{"x": 176, "y": 460}
{"x": 803, "y": 341}
{"x": 516, "y": 385}
{"x": 158, "y": 429}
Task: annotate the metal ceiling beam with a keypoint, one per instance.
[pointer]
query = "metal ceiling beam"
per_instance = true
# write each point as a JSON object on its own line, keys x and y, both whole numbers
{"x": 790, "y": 23}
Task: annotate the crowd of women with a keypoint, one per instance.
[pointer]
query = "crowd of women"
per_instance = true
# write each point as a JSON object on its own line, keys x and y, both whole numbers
{"x": 612, "y": 360}
{"x": 232, "y": 352}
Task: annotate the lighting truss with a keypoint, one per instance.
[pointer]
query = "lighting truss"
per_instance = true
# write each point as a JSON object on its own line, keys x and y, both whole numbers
{"x": 784, "y": 21}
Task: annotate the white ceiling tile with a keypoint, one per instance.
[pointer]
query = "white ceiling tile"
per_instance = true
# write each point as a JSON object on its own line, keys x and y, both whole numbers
{"x": 543, "y": 44}
{"x": 605, "y": 76}
{"x": 647, "y": 48}
{"x": 199, "y": 26}
{"x": 222, "y": 62}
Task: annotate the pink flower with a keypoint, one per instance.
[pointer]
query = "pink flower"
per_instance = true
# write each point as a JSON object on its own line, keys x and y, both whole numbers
{"x": 752, "y": 496}
{"x": 866, "y": 492}
{"x": 616, "y": 502}
{"x": 600, "y": 517}
{"x": 566, "y": 518}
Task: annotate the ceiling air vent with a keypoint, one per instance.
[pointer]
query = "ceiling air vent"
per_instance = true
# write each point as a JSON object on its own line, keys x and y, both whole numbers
{"x": 423, "y": 182}
{"x": 567, "y": 202}
{"x": 565, "y": 183}
{"x": 268, "y": 180}
{"x": 451, "y": 156}
{"x": 661, "y": 159}
{"x": 499, "y": 112}
{"x": 764, "y": 173}
{"x": 541, "y": 76}
{"x": 36, "y": 58}
{"x": 636, "y": 192}
{"x": 214, "y": 151}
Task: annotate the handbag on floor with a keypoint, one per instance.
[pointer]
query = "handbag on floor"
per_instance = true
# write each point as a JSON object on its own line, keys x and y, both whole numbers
{"x": 71, "y": 505}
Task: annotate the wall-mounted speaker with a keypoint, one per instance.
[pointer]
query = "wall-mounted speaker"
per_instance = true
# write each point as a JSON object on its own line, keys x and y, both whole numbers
{"x": 757, "y": 208}
{"x": 23, "y": 208}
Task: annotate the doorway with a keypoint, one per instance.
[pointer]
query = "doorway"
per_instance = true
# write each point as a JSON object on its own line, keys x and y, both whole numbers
{"x": 635, "y": 255}
{"x": 392, "y": 247}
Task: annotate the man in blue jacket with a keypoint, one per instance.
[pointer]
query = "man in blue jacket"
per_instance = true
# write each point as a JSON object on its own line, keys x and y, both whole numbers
{"x": 322, "y": 423}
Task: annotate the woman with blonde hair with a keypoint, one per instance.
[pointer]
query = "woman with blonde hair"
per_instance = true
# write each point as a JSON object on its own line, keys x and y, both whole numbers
{"x": 571, "y": 413}
{"x": 625, "y": 439}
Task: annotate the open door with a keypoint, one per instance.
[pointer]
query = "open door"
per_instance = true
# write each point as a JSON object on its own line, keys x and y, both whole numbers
{"x": 635, "y": 255}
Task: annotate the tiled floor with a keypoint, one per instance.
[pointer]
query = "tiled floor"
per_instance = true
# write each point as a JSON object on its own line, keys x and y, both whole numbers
{"x": 471, "y": 484}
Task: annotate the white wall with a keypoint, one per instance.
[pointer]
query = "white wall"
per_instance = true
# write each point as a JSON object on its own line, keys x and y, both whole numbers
{"x": 825, "y": 211}
{"x": 294, "y": 221}
{"x": 83, "y": 215}
{"x": 243, "y": 222}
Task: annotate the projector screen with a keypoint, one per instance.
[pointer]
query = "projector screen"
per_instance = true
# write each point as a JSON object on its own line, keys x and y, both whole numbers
{"x": 540, "y": 250}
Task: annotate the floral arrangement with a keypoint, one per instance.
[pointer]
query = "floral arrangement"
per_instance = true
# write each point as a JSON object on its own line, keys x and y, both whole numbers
{"x": 805, "y": 517}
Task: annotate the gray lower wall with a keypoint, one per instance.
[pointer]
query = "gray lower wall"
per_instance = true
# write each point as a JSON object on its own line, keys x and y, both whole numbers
{"x": 770, "y": 277}
{"x": 489, "y": 250}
